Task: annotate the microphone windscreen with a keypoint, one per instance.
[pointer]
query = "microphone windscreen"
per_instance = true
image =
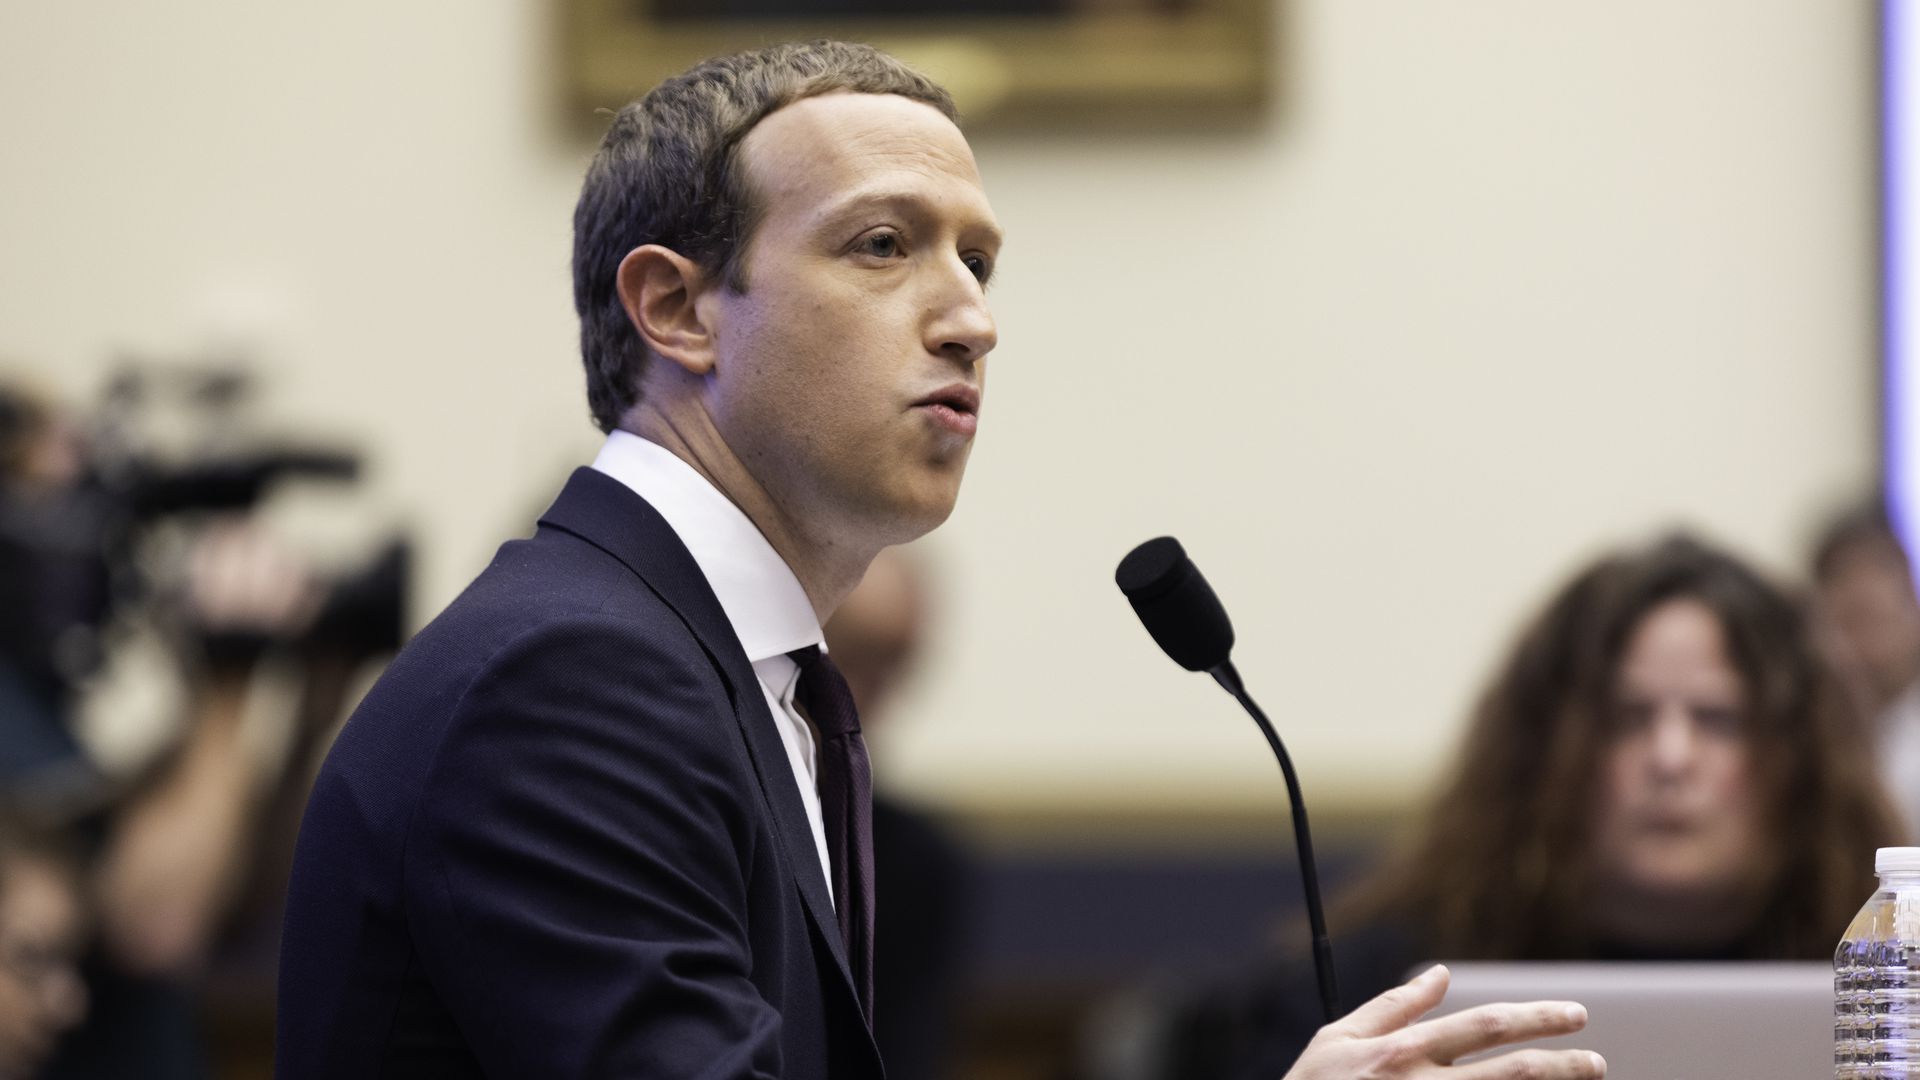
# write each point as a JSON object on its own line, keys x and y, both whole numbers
{"x": 1176, "y": 604}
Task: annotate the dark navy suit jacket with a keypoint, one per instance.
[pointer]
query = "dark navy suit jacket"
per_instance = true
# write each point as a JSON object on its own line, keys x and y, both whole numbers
{"x": 561, "y": 838}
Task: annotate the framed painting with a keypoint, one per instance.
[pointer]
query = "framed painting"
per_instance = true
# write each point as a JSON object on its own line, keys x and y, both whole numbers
{"x": 1006, "y": 61}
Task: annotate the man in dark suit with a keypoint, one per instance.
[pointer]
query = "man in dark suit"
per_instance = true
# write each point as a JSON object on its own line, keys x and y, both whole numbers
{"x": 607, "y": 816}
{"x": 582, "y": 825}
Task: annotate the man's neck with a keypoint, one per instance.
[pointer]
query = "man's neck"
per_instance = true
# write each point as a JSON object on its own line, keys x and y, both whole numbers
{"x": 827, "y": 569}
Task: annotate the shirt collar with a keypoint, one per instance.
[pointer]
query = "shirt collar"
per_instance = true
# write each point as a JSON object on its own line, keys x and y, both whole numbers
{"x": 762, "y": 599}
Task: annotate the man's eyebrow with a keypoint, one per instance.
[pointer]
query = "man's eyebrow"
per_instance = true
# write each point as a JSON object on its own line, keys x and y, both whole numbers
{"x": 906, "y": 202}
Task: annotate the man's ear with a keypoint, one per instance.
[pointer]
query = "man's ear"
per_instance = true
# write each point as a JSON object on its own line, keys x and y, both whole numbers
{"x": 658, "y": 287}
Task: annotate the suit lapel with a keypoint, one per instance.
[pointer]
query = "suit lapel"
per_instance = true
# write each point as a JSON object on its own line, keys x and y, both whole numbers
{"x": 609, "y": 515}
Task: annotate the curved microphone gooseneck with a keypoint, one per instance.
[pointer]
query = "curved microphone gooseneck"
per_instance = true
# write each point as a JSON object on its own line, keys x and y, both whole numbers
{"x": 1184, "y": 616}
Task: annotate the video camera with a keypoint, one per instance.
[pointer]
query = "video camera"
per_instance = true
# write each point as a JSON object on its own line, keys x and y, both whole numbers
{"x": 78, "y": 501}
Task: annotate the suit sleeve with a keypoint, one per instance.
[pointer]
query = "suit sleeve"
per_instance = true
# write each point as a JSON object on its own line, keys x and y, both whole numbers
{"x": 577, "y": 866}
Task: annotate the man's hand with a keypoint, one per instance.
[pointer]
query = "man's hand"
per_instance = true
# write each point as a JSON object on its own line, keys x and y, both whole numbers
{"x": 1383, "y": 1039}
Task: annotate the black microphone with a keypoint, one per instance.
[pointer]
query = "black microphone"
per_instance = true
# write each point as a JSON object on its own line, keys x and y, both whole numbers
{"x": 1180, "y": 610}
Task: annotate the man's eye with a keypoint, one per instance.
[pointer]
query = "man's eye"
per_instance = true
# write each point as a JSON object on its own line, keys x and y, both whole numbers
{"x": 980, "y": 268}
{"x": 882, "y": 245}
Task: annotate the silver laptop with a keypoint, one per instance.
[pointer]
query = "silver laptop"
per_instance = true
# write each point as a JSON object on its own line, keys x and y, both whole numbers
{"x": 1732, "y": 1021}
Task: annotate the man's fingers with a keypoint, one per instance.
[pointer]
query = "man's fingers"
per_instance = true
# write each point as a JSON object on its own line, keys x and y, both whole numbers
{"x": 1383, "y": 1037}
{"x": 1536, "y": 1065}
{"x": 1480, "y": 1029}
{"x": 1398, "y": 1007}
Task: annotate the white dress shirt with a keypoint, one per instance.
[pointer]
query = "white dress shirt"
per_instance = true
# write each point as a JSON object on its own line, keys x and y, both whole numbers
{"x": 761, "y": 597}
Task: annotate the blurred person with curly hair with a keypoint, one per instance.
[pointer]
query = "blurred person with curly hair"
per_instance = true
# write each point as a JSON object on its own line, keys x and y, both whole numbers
{"x": 1660, "y": 769}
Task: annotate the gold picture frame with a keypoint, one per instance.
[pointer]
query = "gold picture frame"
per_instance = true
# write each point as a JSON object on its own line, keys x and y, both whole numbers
{"x": 1055, "y": 61}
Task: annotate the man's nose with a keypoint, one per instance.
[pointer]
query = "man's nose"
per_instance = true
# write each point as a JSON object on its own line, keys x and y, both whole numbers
{"x": 964, "y": 329}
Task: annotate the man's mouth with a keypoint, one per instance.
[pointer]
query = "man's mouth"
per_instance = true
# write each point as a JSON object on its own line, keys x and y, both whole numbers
{"x": 960, "y": 397}
{"x": 955, "y": 408}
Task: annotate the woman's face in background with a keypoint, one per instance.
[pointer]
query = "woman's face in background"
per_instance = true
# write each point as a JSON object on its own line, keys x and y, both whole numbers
{"x": 1679, "y": 815}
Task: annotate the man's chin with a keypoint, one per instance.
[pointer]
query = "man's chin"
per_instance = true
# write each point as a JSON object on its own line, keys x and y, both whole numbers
{"x": 927, "y": 517}
{"x": 920, "y": 510}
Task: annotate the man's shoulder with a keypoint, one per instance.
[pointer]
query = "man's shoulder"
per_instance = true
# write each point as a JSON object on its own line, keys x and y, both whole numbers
{"x": 553, "y": 575}
{"x": 550, "y": 620}
{"x": 549, "y": 592}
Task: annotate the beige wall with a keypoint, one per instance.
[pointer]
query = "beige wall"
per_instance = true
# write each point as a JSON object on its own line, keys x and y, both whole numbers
{"x": 1503, "y": 281}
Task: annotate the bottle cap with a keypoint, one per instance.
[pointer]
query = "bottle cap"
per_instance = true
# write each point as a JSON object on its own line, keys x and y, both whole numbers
{"x": 1896, "y": 860}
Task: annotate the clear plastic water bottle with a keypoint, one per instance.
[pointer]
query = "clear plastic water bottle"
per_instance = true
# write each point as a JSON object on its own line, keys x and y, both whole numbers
{"x": 1876, "y": 977}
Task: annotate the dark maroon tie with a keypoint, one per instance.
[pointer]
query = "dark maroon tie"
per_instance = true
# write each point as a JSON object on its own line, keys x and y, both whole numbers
{"x": 846, "y": 807}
